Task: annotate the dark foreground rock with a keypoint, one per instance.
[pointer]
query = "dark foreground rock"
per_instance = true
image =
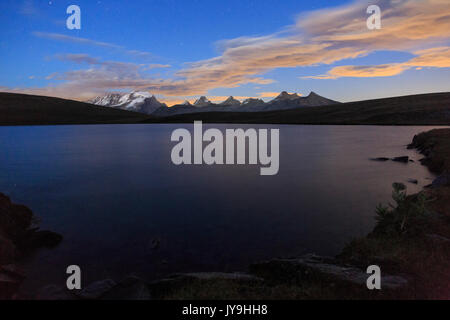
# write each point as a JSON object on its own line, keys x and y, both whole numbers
{"x": 316, "y": 268}
{"x": 18, "y": 236}
{"x": 10, "y": 279}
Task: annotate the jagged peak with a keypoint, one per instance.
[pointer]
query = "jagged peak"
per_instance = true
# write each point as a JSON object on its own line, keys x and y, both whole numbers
{"x": 284, "y": 95}
{"x": 202, "y": 101}
{"x": 250, "y": 100}
{"x": 231, "y": 101}
{"x": 313, "y": 94}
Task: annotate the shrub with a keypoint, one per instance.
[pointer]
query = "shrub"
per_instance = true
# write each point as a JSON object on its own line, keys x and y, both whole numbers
{"x": 406, "y": 216}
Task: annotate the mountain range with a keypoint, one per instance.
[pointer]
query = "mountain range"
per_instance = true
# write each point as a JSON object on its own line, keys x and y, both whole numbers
{"x": 144, "y": 102}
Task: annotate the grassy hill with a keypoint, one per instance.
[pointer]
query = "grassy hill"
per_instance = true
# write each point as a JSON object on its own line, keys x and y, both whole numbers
{"x": 22, "y": 109}
{"x": 423, "y": 109}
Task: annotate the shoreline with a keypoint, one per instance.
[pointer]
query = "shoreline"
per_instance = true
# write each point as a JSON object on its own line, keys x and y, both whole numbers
{"x": 414, "y": 260}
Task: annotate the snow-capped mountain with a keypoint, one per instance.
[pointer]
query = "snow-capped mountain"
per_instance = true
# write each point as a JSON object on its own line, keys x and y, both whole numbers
{"x": 108, "y": 100}
{"x": 253, "y": 102}
{"x": 230, "y": 102}
{"x": 202, "y": 102}
{"x": 142, "y": 102}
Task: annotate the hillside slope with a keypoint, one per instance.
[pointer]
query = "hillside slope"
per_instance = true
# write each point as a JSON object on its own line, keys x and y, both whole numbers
{"x": 22, "y": 109}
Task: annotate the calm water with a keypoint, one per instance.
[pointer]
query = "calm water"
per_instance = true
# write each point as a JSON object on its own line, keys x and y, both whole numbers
{"x": 112, "y": 189}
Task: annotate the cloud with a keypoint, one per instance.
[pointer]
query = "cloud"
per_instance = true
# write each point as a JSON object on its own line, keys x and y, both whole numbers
{"x": 405, "y": 24}
{"x": 268, "y": 94}
{"x": 434, "y": 58}
{"x": 157, "y": 66}
{"x": 320, "y": 37}
{"x": 85, "y": 41}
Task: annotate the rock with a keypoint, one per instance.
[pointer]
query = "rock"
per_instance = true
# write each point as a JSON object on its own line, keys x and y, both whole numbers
{"x": 54, "y": 292}
{"x": 155, "y": 243}
{"x": 438, "y": 238}
{"x": 162, "y": 287}
{"x": 35, "y": 239}
{"x": 131, "y": 288}
{"x": 404, "y": 159}
{"x": 13, "y": 270}
{"x": 380, "y": 159}
{"x": 96, "y": 289}
{"x": 413, "y": 181}
{"x": 7, "y": 250}
{"x": 9, "y": 283}
{"x": 218, "y": 275}
{"x": 442, "y": 180}
{"x": 312, "y": 267}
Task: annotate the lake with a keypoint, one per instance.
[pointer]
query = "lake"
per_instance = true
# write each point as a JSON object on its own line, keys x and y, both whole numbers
{"x": 124, "y": 208}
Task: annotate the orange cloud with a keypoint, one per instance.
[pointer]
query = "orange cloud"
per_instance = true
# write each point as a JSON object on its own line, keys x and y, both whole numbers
{"x": 434, "y": 57}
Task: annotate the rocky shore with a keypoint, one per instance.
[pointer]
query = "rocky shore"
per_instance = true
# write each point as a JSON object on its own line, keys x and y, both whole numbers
{"x": 19, "y": 236}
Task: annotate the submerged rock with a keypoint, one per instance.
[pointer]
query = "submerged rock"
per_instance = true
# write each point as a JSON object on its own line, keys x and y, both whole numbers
{"x": 381, "y": 159}
{"x": 403, "y": 159}
{"x": 35, "y": 239}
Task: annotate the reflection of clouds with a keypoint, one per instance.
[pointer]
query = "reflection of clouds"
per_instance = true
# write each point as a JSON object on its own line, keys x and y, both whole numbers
{"x": 319, "y": 37}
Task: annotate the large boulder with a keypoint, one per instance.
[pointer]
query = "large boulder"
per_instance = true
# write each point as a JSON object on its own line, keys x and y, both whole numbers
{"x": 131, "y": 288}
{"x": 316, "y": 268}
{"x": 97, "y": 289}
{"x": 7, "y": 250}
